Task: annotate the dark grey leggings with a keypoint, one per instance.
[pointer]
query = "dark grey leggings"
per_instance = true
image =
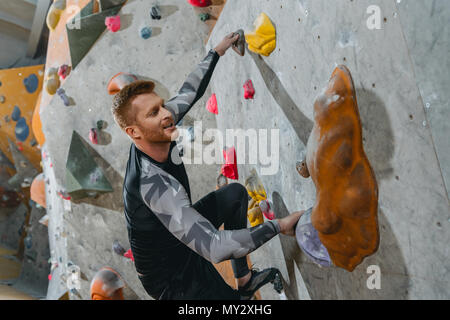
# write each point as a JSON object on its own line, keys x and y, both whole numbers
{"x": 227, "y": 206}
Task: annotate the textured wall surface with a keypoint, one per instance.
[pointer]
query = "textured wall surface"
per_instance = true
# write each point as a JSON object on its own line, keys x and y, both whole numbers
{"x": 393, "y": 73}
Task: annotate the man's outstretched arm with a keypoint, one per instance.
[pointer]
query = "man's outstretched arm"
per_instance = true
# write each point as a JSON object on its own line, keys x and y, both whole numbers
{"x": 168, "y": 200}
{"x": 197, "y": 81}
{"x": 193, "y": 88}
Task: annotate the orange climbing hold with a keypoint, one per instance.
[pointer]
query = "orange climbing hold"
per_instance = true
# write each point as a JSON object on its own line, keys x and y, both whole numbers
{"x": 119, "y": 81}
{"x": 107, "y": 284}
{"x": 37, "y": 190}
{"x": 345, "y": 213}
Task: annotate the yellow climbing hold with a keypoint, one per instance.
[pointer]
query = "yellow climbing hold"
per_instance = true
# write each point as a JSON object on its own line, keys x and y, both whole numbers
{"x": 51, "y": 82}
{"x": 54, "y": 13}
{"x": 254, "y": 214}
{"x": 263, "y": 39}
{"x": 255, "y": 187}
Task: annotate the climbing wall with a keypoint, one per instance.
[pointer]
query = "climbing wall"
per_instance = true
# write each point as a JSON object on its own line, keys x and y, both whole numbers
{"x": 312, "y": 38}
{"x": 20, "y": 88}
{"x": 403, "y": 138}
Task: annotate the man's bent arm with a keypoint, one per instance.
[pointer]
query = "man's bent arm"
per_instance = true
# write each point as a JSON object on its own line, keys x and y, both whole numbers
{"x": 168, "y": 200}
{"x": 193, "y": 88}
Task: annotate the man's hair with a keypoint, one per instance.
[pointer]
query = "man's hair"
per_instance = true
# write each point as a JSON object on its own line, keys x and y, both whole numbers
{"x": 121, "y": 107}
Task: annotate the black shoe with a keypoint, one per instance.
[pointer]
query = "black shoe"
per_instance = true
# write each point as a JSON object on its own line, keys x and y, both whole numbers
{"x": 257, "y": 280}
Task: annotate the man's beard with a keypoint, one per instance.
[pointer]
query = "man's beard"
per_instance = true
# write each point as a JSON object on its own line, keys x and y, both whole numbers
{"x": 160, "y": 137}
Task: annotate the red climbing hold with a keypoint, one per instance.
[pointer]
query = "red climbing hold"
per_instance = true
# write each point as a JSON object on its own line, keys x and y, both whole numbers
{"x": 249, "y": 91}
{"x": 113, "y": 23}
{"x": 93, "y": 136}
{"x": 211, "y": 105}
{"x": 200, "y": 3}
{"x": 266, "y": 209}
{"x": 20, "y": 146}
{"x": 49, "y": 276}
{"x": 63, "y": 71}
{"x": 229, "y": 169}
{"x": 129, "y": 255}
{"x": 64, "y": 195}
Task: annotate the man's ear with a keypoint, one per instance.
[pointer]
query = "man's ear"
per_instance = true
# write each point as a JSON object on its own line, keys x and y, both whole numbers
{"x": 133, "y": 132}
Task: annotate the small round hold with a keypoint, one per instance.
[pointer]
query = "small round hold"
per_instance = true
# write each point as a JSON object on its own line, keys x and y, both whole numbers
{"x": 146, "y": 32}
{"x": 2, "y": 99}
{"x": 204, "y": 16}
{"x": 302, "y": 169}
{"x": 100, "y": 124}
{"x": 118, "y": 249}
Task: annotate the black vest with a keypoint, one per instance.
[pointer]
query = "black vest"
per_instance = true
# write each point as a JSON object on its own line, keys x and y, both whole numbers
{"x": 157, "y": 253}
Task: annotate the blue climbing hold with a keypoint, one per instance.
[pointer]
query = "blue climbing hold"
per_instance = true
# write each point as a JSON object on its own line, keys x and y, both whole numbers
{"x": 16, "y": 113}
{"x": 146, "y": 32}
{"x": 31, "y": 83}
{"x": 22, "y": 130}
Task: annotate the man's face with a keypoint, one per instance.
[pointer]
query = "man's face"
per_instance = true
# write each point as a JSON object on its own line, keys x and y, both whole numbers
{"x": 154, "y": 123}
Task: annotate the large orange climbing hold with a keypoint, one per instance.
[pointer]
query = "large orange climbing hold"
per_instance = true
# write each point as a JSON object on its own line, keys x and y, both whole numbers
{"x": 107, "y": 284}
{"x": 263, "y": 39}
{"x": 346, "y": 209}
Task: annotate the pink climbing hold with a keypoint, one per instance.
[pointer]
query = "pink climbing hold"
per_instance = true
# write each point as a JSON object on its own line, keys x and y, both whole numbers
{"x": 266, "y": 209}
{"x": 229, "y": 168}
{"x": 200, "y": 3}
{"x": 249, "y": 91}
{"x": 93, "y": 136}
{"x": 113, "y": 23}
{"x": 129, "y": 255}
{"x": 211, "y": 105}
{"x": 64, "y": 195}
{"x": 49, "y": 277}
{"x": 63, "y": 71}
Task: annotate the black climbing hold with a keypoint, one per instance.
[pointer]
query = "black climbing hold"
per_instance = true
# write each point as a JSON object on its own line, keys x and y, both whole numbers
{"x": 155, "y": 13}
{"x": 100, "y": 124}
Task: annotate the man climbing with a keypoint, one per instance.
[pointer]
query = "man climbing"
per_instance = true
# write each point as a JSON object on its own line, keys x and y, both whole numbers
{"x": 174, "y": 241}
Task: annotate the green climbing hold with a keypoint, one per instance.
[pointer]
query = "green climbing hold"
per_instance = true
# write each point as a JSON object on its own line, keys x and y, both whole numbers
{"x": 84, "y": 178}
{"x": 85, "y": 27}
{"x": 204, "y": 16}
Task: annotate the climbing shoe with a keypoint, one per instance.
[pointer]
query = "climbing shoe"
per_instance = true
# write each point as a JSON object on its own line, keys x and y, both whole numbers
{"x": 257, "y": 280}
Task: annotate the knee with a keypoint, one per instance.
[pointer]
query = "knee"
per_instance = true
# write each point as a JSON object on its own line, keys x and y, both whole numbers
{"x": 238, "y": 190}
